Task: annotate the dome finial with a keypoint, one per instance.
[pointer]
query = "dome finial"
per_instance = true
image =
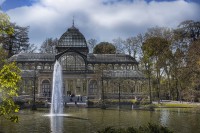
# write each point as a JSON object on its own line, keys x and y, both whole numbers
{"x": 73, "y": 22}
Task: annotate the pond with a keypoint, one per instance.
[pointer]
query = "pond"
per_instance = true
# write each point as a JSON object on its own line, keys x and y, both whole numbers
{"x": 89, "y": 120}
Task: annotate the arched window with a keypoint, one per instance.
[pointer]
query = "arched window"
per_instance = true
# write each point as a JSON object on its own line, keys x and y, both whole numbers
{"x": 123, "y": 67}
{"x": 39, "y": 66}
{"x": 116, "y": 66}
{"x": 93, "y": 87}
{"x": 46, "y": 88}
{"x": 47, "y": 66}
{"x": 72, "y": 61}
{"x": 109, "y": 67}
{"x": 26, "y": 66}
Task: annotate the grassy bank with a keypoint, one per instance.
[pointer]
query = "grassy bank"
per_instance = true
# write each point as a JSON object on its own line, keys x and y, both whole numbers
{"x": 141, "y": 105}
{"x": 175, "y": 105}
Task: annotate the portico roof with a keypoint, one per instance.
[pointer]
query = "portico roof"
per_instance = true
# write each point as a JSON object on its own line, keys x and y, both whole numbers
{"x": 124, "y": 74}
{"x": 32, "y": 57}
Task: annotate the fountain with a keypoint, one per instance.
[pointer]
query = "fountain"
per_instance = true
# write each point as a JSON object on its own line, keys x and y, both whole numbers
{"x": 57, "y": 91}
{"x": 56, "y": 112}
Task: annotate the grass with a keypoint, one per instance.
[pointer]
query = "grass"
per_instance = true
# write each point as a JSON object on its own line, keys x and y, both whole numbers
{"x": 176, "y": 105}
{"x": 144, "y": 104}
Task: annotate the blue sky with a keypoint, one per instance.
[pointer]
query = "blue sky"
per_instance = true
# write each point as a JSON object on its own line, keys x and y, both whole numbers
{"x": 10, "y": 4}
{"x": 103, "y": 20}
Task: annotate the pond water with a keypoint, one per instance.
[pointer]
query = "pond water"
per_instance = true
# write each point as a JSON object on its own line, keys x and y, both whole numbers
{"x": 89, "y": 120}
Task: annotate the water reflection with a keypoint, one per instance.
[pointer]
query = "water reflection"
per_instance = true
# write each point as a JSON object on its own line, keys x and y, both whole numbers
{"x": 164, "y": 117}
{"x": 56, "y": 124}
{"x": 86, "y": 120}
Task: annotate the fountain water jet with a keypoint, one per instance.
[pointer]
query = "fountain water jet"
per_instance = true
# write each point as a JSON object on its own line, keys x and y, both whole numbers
{"x": 57, "y": 91}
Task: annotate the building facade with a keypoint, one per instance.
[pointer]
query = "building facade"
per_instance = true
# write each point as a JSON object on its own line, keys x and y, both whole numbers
{"x": 84, "y": 73}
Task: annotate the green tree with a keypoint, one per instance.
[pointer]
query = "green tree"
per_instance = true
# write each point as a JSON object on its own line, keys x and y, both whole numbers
{"x": 150, "y": 63}
{"x": 182, "y": 58}
{"x": 9, "y": 84}
{"x": 147, "y": 63}
{"x": 5, "y": 26}
{"x": 156, "y": 49}
{"x": 192, "y": 71}
{"x": 17, "y": 41}
{"x": 189, "y": 29}
{"x": 104, "y": 48}
{"x": 9, "y": 75}
{"x": 3, "y": 56}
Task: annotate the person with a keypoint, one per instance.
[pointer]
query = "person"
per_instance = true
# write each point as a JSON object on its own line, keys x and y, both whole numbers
{"x": 46, "y": 103}
{"x": 70, "y": 99}
{"x": 78, "y": 99}
{"x": 81, "y": 99}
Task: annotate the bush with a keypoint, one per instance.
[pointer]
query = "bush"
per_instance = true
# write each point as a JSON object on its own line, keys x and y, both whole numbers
{"x": 20, "y": 103}
{"x": 90, "y": 103}
{"x": 150, "y": 128}
{"x": 144, "y": 102}
{"x": 116, "y": 101}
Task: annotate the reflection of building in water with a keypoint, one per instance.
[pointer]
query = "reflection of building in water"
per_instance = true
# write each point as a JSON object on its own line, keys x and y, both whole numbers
{"x": 84, "y": 73}
{"x": 164, "y": 116}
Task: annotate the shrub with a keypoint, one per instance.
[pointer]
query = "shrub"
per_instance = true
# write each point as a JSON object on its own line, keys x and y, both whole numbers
{"x": 90, "y": 103}
{"x": 150, "y": 128}
{"x": 20, "y": 103}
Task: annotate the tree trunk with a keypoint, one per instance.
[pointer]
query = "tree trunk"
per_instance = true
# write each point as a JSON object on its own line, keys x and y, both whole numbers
{"x": 158, "y": 86}
{"x": 177, "y": 92}
{"x": 169, "y": 87}
{"x": 149, "y": 84}
{"x": 10, "y": 49}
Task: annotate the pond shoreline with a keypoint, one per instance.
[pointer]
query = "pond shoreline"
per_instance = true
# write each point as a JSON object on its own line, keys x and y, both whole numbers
{"x": 89, "y": 120}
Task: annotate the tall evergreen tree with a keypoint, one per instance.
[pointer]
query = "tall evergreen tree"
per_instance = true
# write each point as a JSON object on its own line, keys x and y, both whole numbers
{"x": 189, "y": 29}
{"x": 17, "y": 41}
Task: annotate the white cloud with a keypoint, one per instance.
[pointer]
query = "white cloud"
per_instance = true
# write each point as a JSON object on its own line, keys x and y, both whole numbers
{"x": 95, "y": 19}
{"x": 2, "y": 1}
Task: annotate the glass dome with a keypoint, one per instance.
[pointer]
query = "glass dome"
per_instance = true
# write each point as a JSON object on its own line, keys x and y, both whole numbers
{"x": 72, "y": 38}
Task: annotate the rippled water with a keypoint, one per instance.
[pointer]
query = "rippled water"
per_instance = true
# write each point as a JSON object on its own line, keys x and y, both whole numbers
{"x": 84, "y": 120}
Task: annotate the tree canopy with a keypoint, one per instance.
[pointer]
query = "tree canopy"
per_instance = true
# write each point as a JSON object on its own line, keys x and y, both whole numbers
{"x": 17, "y": 41}
{"x": 5, "y": 27}
{"x": 9, "y": 76}
{"x": 104, "y": 48}
{"x": 9, "y": 84}
{"x": 189, "y": 29}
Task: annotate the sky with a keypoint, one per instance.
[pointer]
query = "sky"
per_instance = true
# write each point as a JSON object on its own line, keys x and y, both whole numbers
{"x": 103, "y": 20}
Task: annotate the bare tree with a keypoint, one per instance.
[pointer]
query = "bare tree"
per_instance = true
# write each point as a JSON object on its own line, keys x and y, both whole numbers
{"x": 119, "y": 45}
{"x": 31, "y": 49}
{"x": 91, "y": 44}
{"x": 48, "y": 46}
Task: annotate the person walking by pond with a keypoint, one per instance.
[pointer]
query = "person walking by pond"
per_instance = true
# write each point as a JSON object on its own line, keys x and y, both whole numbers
{"x": 78, "y": 99}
